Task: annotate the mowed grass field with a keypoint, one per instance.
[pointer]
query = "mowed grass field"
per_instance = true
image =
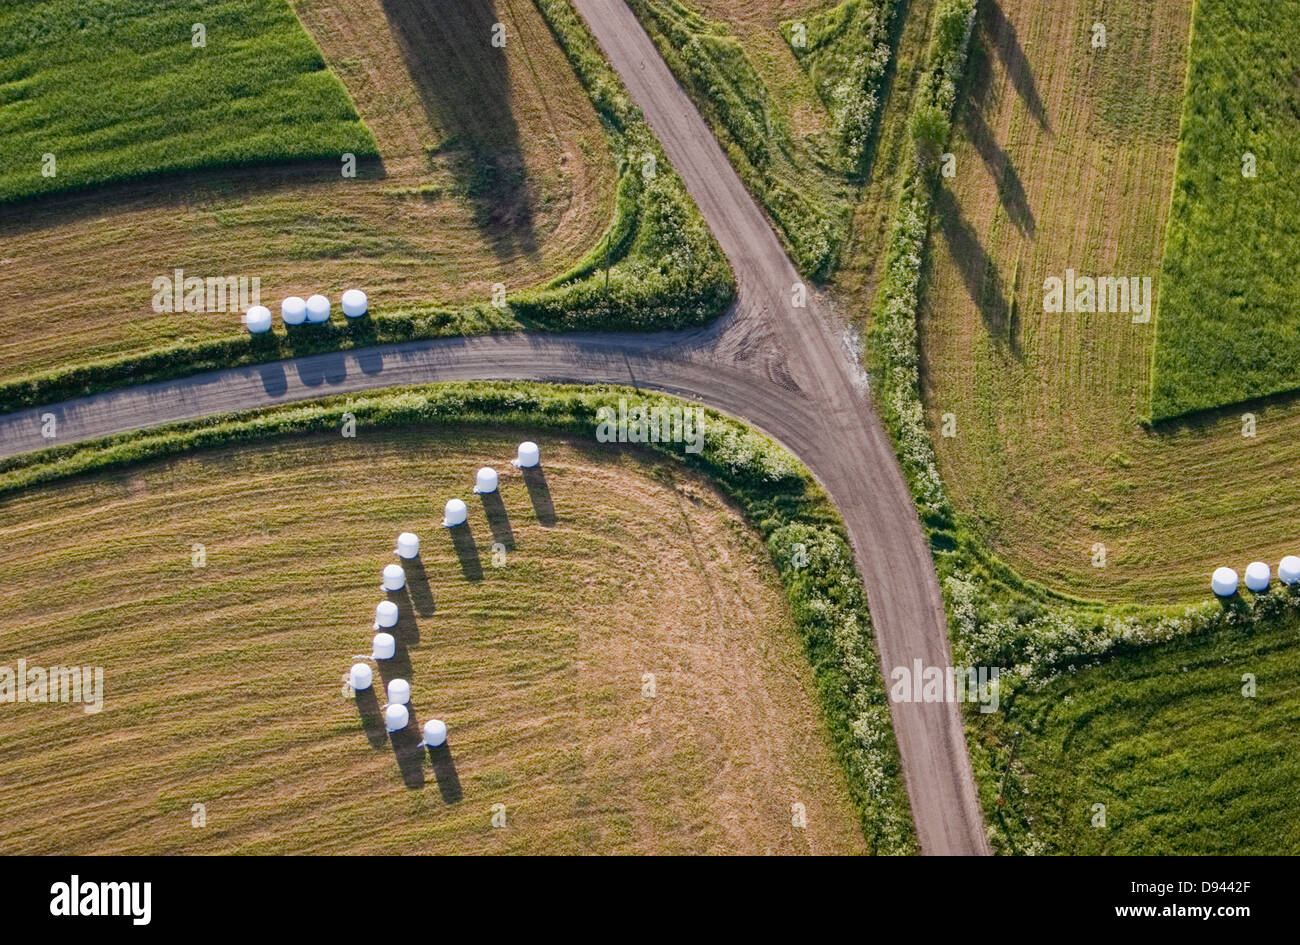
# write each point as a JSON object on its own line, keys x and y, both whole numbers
{"x": 493, "y": 168}
{"x": 1065, "y": 159}
{"x": 1183, "y": 761}
{"x": 1229, "y": 325}
{"x": 120, "y": 89}
{"x": 223, "y": 684}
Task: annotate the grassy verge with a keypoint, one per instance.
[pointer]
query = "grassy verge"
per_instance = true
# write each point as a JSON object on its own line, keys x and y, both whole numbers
{"x": 800, "y": 526}
{"x": 805, "y": 182}
{"x": 656, "y": 267}
{"x": 118, "y": 91}
{"x": 1229, "y": 315}
{"x": 845, "y": 50}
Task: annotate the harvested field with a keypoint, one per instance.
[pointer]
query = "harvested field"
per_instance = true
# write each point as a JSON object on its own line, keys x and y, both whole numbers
{"x": 222, "y": 683}
{"x": 1065, "y": 159}
{"x": 514, "y": 189}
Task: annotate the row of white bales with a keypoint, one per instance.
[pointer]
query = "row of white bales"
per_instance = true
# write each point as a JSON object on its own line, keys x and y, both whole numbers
{"x": 384, "y": 645}
{"x": 315, "y": 311}
{"x": 1258, "y": 576}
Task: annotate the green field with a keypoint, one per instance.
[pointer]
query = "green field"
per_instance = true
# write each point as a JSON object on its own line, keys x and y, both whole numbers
{"x": 1229, "y": 317}
{"x": 1165, "y": 739}
{"x": 115, "y": 89}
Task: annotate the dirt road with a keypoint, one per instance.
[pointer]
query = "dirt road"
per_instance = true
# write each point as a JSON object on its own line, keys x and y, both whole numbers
{"x": 789, "y": 371}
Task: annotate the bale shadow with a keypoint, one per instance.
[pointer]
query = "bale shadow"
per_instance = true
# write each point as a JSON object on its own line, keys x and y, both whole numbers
{"x": 407, "y": 630}
{"x": 372, "y": 719}
{"x": 323, "y": 369}
{"x": 370, "y": 361}
{"x": 464, "y": 87}
{"x": 274, "y": 380}
{"x": 399, "y": 667}
{"x": 417, "y": 584}
{"x": 444, "y": 771}
{"x": 499, "y": 520}
{"x": 539, "y": 492}
{"x": 462, "y": 539}
{"x": 408, "y": 749}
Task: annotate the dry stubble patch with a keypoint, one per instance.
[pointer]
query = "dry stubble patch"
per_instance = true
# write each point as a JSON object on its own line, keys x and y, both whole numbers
{"x": 222, "y": 684}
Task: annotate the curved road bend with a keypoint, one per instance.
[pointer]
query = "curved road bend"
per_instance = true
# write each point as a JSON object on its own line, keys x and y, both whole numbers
{"x": 790, "y": 372}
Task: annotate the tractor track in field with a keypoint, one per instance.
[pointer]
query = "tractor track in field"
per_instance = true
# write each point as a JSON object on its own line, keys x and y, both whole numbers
{"x": 787, "y": 371}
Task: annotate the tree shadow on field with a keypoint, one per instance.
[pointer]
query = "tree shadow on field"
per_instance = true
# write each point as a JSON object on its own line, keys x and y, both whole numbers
{"x": 1011, "y": 190}
{"x": 372, "y": 719}
{"x": 539, "y": 492}
{"x": 444, "y": 770}
{"x": 499, "y": 520}
{"x": 408, "y": 748}
{"x": 462, "y": 539}
{"x": 417, "y": 583}
{"x": 1000, "y": 34}
{"x": 464, "y": 86}
{"x": 979, "y": 271}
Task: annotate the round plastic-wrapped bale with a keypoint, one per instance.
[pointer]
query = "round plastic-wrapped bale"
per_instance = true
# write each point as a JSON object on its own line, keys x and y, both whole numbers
{"x": 318, "y": 309}
{"x": 383, "y": 646}
{"x": 257, "y": 320}
{"x": 396, "y": 718}
{"x": 1224, "y": 582}
{"x": 360, "y": 677}
{"x": 454, "y": 514}
{"x": 399, "y": 692}
{"x": 1257, "y": 576}
{"x": 485, "y": 481}
{"x": 293, "y": 310}
{"x": 354, "y": 303}
{"x": 394, "y": 577}
{"x": 408, "y": 545}
{"x": 386, "y": 614}
{"x": 435, "y": 733}
{"x": 1288, "y": 570}
{"x": 529, "y": 455}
